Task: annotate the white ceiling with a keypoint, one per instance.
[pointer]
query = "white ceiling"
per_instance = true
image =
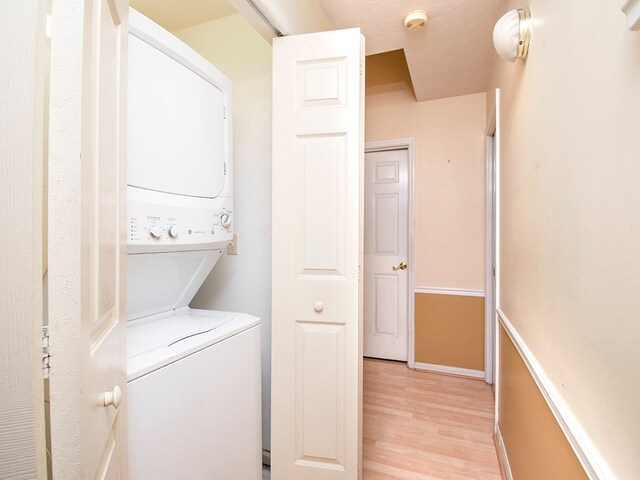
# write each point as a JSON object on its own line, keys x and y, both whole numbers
{"x": 177, "y": 14}
{"x": 451, "y": 56}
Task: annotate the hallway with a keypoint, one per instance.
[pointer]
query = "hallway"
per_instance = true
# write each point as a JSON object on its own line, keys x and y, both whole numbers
{"x": 426, "y": 426}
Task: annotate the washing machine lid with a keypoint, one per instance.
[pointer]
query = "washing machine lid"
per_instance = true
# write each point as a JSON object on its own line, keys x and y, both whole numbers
{"x": 161, "y": 282}
{"x": 166, "y": 331}
{"x": 176, "y": 122}
{"x": 156, "y": 341}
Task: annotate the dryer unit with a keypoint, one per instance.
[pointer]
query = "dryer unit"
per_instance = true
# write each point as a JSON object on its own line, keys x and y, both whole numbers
{"x": 193, "y": 406}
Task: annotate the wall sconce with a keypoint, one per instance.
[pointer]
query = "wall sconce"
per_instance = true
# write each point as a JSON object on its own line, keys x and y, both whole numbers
{"x": 631, "y": 9}
{"x": 512, "y": 34}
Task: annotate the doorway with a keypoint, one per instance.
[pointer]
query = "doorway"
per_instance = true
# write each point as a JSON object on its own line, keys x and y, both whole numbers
{"x": 388, "y": 251}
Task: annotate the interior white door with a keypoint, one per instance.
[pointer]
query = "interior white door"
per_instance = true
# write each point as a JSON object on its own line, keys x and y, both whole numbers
{"x": 385, "y": 254}
{"x": 317, "y": 236}
{"x": 87, "y": 310}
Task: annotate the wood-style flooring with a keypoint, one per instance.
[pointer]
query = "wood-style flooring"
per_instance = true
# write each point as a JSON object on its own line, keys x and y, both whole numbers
{"x": 426, "y": 426}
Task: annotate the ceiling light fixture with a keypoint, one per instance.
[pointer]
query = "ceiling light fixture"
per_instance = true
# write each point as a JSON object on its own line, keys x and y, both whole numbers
{"x": 512, "y": 34}
{"x": 415, "y": 21}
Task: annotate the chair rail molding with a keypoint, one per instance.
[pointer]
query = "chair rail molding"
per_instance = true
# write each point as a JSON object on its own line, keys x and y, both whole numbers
{"x": 465, "y": 292}
{"x": 594, "y": 465}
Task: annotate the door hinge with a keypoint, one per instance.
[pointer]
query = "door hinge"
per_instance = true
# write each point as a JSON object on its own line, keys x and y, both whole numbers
{"x": 225, "y": 168}
{"x": 46, "y": 356}
{"x": 361, "y": 68}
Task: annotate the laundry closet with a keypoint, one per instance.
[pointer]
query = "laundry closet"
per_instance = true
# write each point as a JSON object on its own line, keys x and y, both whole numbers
{"x": 194, "y": 375}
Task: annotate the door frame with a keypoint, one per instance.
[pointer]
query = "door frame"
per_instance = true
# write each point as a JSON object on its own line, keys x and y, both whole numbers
{"x": 492, "y": 215}
{"x": 408, "y": 144}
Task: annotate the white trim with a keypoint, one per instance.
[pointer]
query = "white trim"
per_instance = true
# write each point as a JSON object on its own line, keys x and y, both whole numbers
{"x": 449, "y": 291}
{"x": 489, "y": 282}
{"x": 464, "y": 372}
{"x": 503, "y": 458}
{"x": 591, "y": 460}
{"x": 496, "y": 302}
{"x": 408, "y": 143}
{"x": 277, "y": 16}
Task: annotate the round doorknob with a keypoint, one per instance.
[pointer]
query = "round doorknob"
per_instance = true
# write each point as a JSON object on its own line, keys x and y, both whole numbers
{"x": 401, "y": 266}
{"x": 113, "y": 398}
{"x": 318, "y": 306}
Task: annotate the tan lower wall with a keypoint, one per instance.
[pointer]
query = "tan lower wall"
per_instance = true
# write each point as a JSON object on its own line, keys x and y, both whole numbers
{"x": 449, "y": 330}
{"x": 535, "y": 445}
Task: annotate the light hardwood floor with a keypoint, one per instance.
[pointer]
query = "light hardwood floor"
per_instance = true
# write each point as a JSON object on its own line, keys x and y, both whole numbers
{"x": 426, "y": 426}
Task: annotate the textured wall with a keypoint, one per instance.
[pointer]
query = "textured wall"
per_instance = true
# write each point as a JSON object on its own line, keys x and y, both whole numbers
{"x": 450, "y": 330}
{"x": 449, "y": 178}
{"x": 570, "y": 215}
{"x": 22, "y": 50}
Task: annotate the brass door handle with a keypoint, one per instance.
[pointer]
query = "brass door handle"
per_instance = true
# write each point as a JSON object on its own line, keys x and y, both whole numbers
{"x": 402, "y": 266}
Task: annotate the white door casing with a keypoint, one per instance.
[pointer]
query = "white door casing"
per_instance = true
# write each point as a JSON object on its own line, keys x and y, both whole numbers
{"x": 385, "y": 250}
{"x": 317, "y": 252}
{"x": 87, "y": 249}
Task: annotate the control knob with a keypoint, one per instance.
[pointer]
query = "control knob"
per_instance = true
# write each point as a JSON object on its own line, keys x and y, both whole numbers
{"x": 225, "y": 220}
{"x": 155, "y": 232}
{"x": 173, "y": 231}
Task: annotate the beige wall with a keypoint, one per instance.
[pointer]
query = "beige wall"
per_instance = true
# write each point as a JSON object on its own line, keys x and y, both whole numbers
{"x": 570, "y": 215}
{"x": 537, "y": 446}
{"x": 450, "y": 330}
{"x": 449, "y": 183}
{"x": 233, "y": 46}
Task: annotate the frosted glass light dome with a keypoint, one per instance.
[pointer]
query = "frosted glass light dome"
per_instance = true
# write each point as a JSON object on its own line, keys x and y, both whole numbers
{"x": 512, "y": 34}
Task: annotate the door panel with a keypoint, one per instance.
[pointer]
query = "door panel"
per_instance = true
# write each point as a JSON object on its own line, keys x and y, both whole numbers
{"x": 386, "y": 246}
{"x": 87, "y": 241}
{"x": 317, "y": 223}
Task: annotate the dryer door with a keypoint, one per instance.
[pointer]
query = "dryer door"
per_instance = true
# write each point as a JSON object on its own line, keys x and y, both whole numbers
{"x": 176, "y": 126}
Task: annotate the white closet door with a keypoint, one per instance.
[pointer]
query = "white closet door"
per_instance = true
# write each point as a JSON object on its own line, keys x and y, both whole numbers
{"x": 318, "y": 161}
{"x": 87, "y": 236}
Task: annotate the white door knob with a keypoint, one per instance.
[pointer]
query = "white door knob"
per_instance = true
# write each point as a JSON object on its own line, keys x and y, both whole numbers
{"x": 155, "y": 232}
{"x": 113, "y": 398}
{"x": 318, "y": 306}
{"x": 173, "y": 231}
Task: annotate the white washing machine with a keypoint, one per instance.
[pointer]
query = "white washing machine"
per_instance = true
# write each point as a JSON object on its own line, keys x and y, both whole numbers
{"x": 192, "y": 388}
{"x": 194, "y": 376}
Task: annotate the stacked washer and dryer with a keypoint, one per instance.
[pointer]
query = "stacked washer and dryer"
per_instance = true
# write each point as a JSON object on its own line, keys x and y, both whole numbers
{"x": 193, "y": 375}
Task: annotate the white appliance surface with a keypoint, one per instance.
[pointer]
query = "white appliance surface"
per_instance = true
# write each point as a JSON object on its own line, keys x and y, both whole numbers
{"x": 179, "y": 141}
{"x": 176, "y": 121}
{"x": 162, "y": 282}
{"x": 194, "y": 376}
{"x": 194, "y": 406}
{"x": 158, "y": 340}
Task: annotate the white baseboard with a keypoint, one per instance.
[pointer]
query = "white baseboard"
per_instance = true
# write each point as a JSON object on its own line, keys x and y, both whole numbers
{"x": 449, "y": 291}
{"x": 593, "y": 463}
{"x": 502, "y": 455}
{"x": 464, "y": 372}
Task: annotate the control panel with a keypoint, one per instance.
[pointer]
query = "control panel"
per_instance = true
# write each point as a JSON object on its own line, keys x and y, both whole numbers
{"x": 156, "y": 227}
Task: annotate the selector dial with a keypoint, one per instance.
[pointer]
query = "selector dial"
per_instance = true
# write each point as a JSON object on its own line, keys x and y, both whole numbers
{"x": 225, "y": 220}
{"x": 155, "y": 232}
{"x": 173, "y": 231}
